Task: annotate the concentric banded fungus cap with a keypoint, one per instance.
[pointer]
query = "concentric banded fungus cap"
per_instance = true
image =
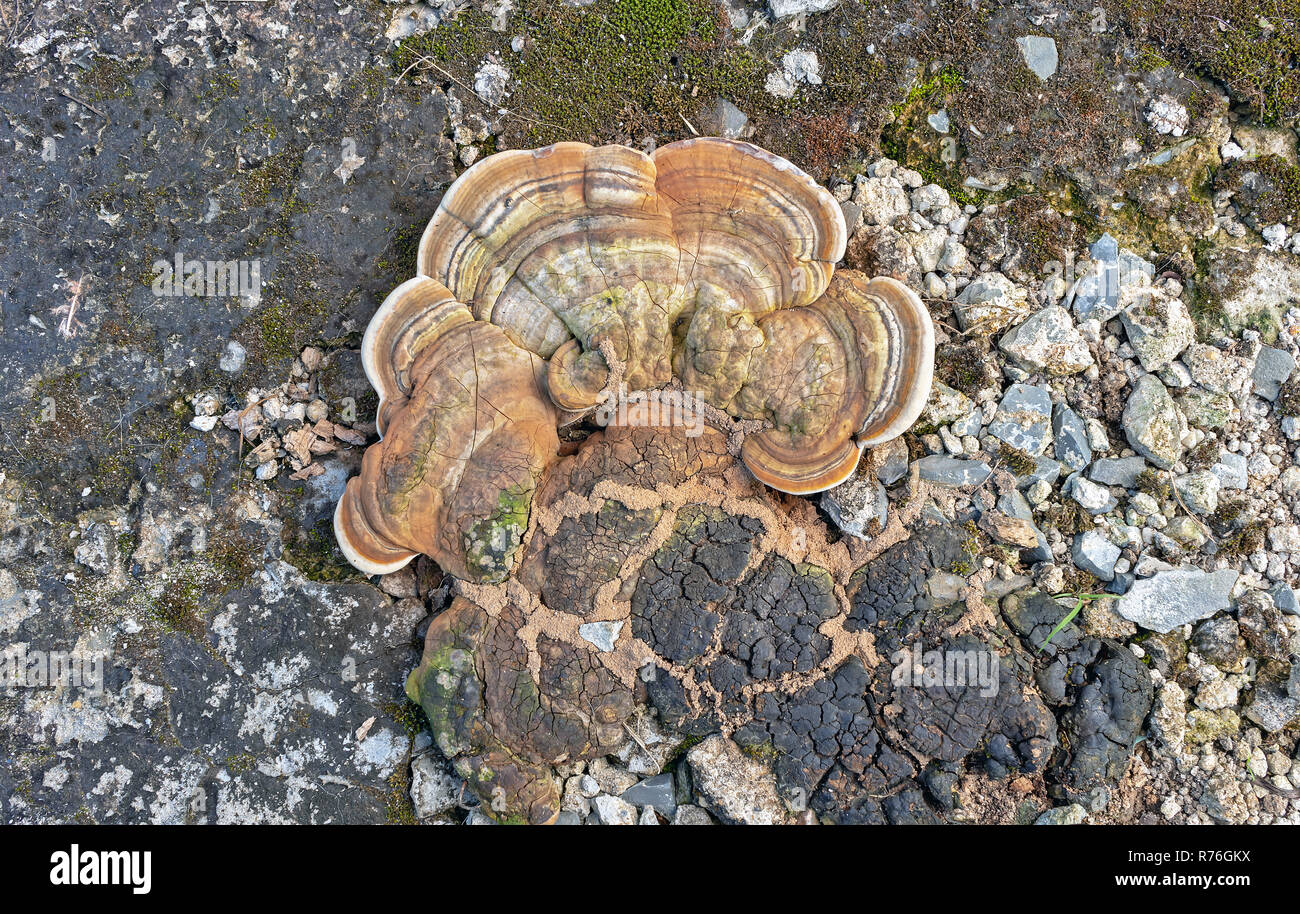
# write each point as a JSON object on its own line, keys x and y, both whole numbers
{"x": 571, "y": 246}
{"x": 850, "y": 371}
{"x": 708, "y": 262}
{"x": 468, "y": 431}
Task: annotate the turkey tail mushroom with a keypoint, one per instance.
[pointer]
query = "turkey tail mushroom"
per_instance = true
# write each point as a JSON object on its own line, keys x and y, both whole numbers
{"x": 852, "y": 370}
{"x": 468, "y": 431}
{"x": 547, "y": 275}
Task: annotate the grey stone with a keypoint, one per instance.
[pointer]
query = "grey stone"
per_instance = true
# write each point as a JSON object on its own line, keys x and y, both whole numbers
{"x": 1217, "y": 371}
{"x": 1152, "y": 423}
{"x": 1199, "y": 491}
{"x": 1117, "y": 471}
{"x": 1045, "y": 470}
{"x": 939, "y": 121}
{"x": 1158, "y": 327}
{"x": 1185, "y": 532}
{"x": 657, "y": 791}
{"x": 1095, "y": 554}
{"x": 690, "y": 814}
{"x": 1048, "y": 341}
{"x": 1105, "y": 249}
{"x": 859, "y": 506}
{"x": 1094, "y": 498}
{"x": 1219, "y": 641}
{"x": 892, "y": 461}
{"x": 1272, "y": 368}
{"x": 1112, "y": 279}
{"x": 1014, "y": 504}
{"x": 784, "y": 9}
{"x": 953, "y": 471}
{"x": 1205, "y": 409}
{"x": 1277, "y": 700}
{"x": 1071, "y": 437}
{"x": 1285, "y": 599}
{"x": 1040, "y": 55}
{"x": 1121, "y": 583}
{"x": 1173, "y": 598}
{"x": 737, "y": 788}
{"x": 1230, "y": 471}
{"x": 946, "y": 405}
{"x": 1023, "y": 418}
{"x": 610, "y": 810}
{"x": 989, "y": 303}
{"x": 233, "y": 358}
{"x": 1063, "y": 815}
{"x": 601, "y": 635}
{"x": 435, "y": 791}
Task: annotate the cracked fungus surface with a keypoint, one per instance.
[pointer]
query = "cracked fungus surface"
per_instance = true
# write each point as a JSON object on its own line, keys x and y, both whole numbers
{"x": 739, "y": 615}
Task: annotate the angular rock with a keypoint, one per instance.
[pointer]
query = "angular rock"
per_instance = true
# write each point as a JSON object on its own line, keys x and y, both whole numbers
{"x": 1063, "y": 815}
{"x": 1285, "y": 599}
{"x": 1048, "y": 342}
{"x": 737, "y": 788}
{"x": 1205, "y": 409}
{"x": 435, "y": 791}
{"x": 1152, "y": 423}
{"x": 1217, "y": 371}
{"x": 1277, "y": 697}
{"x": 1093, "y": 498}
{"x": 1039, "y": 52}
{"x": 990, "y": 303}
{"x": 859, "y": 506}
{"x": 1112, "y": 281}
{"x": 613, "y": 810}
{"x": 952, "y": 471}
{"x": 1023, "y": 418}
{"x": 1199, "y": 491}
{"x": 946, "y": 405}
{"x": 1173, "y": 598}
{"x": 1095, "y": 554}
{"x": 1272, "y": 368}
{"x": 1158, "y": 327}
{"x": 1117, "y": 471}
{"x": 601, "y": 635}
{"x": 657, "y": 792}
{"x": 892, "y": 461}
{"x": 1071, "y": 438}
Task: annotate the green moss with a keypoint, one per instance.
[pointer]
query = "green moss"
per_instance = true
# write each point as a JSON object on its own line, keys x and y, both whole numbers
{"x": 398, "y": 808}
{"x": 409, "y": 715}
{"x": 1248, "y": 539}
{"x": 965, "y": 366}
{"x": 1274, "y": 194}
{"x": 1288, "y": 399}
{"x": 1154, "y": 483}
{"x": 1252, "y": 47}
{"x": 276, "y": 175}
{"x": 1019, "y": 462}
{"x": 240, "y": 763}
{"x": 108, "y": 78}
{"x": 315, "y": 552}
{"x": 1044, "y": 235}
{"x": 1069, "y": 517}
{"x": 683, "y": 747}
{"x": 765, "y": 752}
{"x": 293, "y": 312}
{"x": 616, "y": 64}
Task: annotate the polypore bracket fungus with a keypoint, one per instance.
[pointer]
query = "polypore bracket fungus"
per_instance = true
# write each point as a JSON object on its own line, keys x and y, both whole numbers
{"x": 708, "y": 265}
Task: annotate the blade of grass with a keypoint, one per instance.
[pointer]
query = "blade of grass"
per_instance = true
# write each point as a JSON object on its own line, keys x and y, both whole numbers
{"x": 1082, "y": 598}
